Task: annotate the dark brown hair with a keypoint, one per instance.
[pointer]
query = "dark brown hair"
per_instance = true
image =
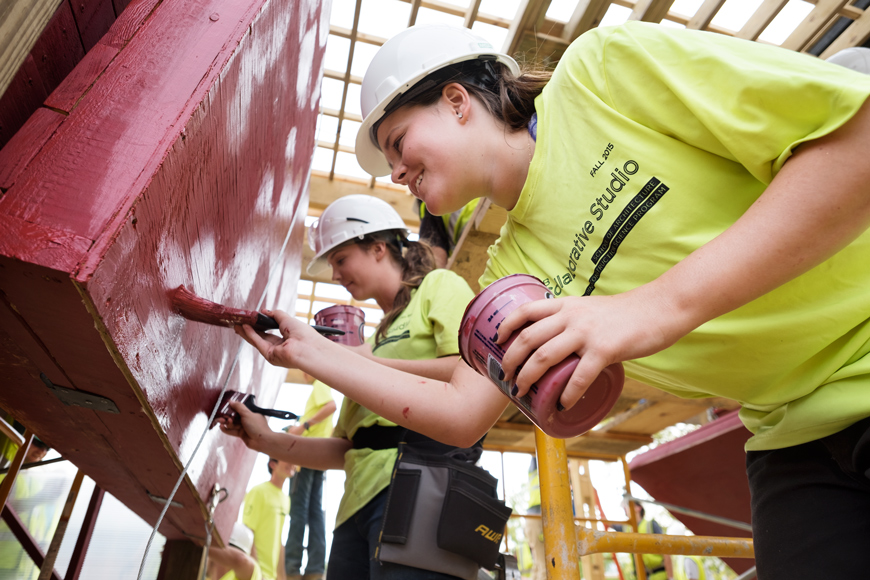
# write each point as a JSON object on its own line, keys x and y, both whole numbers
{"x": 509, "y": 98}
{"x": 414, "y": 258}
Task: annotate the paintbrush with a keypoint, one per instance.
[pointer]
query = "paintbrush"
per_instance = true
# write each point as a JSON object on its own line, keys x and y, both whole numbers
{"x": 227, "y": 412}
{"x": 192, "y": 307}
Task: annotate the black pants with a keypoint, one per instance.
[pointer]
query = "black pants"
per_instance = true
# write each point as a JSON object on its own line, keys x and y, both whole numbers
{"x": 811, "y": 507}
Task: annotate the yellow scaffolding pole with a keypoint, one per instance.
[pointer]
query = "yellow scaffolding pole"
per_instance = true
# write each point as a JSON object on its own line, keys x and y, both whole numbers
{"x": 560, "y": 540}
{"x": 565, "y": 542}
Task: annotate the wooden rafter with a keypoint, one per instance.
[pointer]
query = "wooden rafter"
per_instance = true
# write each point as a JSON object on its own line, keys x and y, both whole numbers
{"x": 761, "y": 19}
{"x": 855, "y": 35}
{"x": 587, "y": 15}
{"x": 471, "y": 13}
{"x": 651, "y": 10}
{"x": 813, "y": 23}
{"x": 705, "y": 14}
{"x": 346, "y": 80}
{"x": 415, "y": 8}
{"x": 529, "y": 14}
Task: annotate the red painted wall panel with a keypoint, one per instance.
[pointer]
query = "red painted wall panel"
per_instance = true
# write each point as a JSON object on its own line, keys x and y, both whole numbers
{"x": 23, "y": 95}
{"x": 93, "y": 18}
{"x": 59, "y": 48}
{"x": 705, "y": 471}
{"x": 186, "y": 162}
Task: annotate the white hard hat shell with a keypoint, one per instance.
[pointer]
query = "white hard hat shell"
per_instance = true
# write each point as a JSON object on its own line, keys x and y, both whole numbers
{"x": 403, "y": 61}
{"x": 351, "y": 216}
{"x": 856, "y": 58}
{"x": 242, "y": 537}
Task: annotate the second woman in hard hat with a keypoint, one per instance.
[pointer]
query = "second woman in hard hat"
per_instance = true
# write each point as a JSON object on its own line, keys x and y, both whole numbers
{"x": 700, "y": 205}
{"x": 365, "y": 242}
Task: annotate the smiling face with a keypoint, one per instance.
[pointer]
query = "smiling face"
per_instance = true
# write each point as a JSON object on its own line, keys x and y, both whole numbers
{"x": 435, "y": 152}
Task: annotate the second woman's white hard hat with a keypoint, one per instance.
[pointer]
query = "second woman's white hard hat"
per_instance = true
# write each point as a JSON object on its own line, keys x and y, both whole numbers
{"x": 351, "y": 216}
{"x": 403, "y": 61}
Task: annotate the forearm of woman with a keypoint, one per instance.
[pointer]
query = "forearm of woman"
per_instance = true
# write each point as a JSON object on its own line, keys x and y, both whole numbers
{"x": 439, "y": 369}
{"x": 457, "y": 412}
{"x": 817, "y": 204}
{"x": 320, "y": 453}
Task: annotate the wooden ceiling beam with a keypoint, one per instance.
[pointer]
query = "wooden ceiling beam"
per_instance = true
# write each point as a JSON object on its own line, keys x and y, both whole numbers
{"x": 324, "y": 191}
{"x": 415, "y": 8}
{"x": 587, "y": 15}
{"x": 334, "y": 113}
{"x": 705, "y": 14}
{"x": 344, "y": 89}
{"x": 813, "y": 23}
{"x": 856, "y": 35}
{"x": 761, "y": 19}
{"x": 335, "y": 75}
{"x": 651, "y": 10}
{"x": 471, "y": 14}
{"x": 530, "y": 14}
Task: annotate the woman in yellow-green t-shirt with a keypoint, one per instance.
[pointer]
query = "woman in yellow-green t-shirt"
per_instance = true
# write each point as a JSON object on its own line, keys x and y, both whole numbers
{"x": 699, "y": 205}
{"x": 365, "y": 242}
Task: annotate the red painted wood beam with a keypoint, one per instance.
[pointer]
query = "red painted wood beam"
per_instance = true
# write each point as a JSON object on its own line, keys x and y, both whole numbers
{"x": 28, "y": 542}
{"x": 83, "y": 542}
{"x": 184, "y": 159}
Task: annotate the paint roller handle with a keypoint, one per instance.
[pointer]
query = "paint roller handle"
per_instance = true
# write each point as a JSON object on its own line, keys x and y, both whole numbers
{"x": 249, "y": 403}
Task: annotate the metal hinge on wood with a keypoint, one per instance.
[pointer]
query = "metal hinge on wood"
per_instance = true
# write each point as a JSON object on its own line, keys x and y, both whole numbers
{"x": 75, "y": 398}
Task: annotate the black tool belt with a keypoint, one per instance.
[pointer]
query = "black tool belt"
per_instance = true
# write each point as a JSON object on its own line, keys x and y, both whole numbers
{"x": 381, "y": 437}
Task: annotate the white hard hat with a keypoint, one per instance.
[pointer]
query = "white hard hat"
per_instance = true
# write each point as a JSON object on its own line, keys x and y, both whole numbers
{"x": 242, "y": 537}
{"x": 856, "y": 58}
{"x": 351, "y": 216}
{"x": 403, "y": 61}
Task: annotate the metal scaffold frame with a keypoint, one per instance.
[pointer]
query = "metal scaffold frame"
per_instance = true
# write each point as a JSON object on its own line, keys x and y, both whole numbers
{"x": 565, "y": 542}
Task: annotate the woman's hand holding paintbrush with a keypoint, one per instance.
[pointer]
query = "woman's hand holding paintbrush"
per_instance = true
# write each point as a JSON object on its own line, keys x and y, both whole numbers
{"x": 320, "y": 453}
{"x": 282, "y": 350}
{"x": 252, "y": 428}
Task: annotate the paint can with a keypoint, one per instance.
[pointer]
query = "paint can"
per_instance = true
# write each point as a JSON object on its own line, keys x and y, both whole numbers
{"x": 477, "y": 346}
{"x": 350, "y": 319}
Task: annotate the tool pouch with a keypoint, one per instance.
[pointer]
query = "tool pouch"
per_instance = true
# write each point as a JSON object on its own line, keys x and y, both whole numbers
{"x": 442, "y": 514}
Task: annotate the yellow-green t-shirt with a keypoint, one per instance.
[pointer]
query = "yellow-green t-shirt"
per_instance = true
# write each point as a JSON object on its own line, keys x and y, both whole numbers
{"x": 321, "y": 394}
{"x": 427, "y": 328}
{"x": 266, "y": 506}
{"x": 256, "y": 575}
{"x": 651, "y": 142}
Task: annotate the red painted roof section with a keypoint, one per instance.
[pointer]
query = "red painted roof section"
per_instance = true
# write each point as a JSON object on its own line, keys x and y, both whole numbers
{"x": 705, "y": 471}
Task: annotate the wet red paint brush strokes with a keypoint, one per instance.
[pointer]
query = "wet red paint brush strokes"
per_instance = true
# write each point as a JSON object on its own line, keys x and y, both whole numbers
{"x": 184, "y": 161}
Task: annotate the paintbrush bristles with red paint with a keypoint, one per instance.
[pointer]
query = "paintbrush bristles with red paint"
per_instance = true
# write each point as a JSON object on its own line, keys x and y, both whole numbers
{"x": 192, "y": 307}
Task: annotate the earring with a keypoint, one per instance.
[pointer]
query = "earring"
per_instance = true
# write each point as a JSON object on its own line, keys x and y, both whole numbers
{"x": 459, "y": 114}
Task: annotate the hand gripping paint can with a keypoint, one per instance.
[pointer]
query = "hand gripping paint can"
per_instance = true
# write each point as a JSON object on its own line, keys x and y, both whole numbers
{"x": 477, "y": 346}
{"x": 350, "y": 319}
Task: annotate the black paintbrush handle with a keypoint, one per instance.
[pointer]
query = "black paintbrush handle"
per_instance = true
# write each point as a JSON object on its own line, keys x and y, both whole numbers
{"x": 249, "y": 403}
{"x": 265, "y": 322}
{"x": 327, "y": 330}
